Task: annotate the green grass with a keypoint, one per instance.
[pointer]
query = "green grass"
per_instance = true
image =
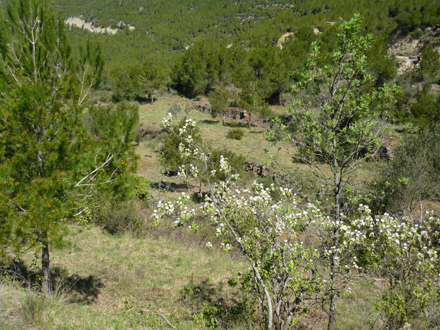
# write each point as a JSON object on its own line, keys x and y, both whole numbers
{"x": 252, "y": 146}
{"x": 118, "y": 282}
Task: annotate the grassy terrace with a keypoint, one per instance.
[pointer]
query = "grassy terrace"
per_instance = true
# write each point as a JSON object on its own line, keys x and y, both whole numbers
{"x": 252, "y": 146}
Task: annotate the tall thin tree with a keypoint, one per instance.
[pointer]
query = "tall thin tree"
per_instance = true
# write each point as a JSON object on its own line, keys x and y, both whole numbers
{"x": 52, "y": 167}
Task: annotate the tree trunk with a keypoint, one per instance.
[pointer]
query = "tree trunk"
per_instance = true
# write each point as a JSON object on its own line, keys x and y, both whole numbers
{"x": 223, "y": 119}
{"x": 45, "y": 267}
{"x": 336, "y": 191}
{"x": 332, "y": 311}
{"x": 332, "y": 314}
{"x": 250, "y": 119}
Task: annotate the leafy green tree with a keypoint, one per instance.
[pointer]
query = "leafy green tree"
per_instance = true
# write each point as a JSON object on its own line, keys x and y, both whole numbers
{"x": 200, "y": 68}
{"x": 52, "y": 167}
{"x": 250, "y": 100}
{"x": 219, "y": 99}
{"x": 430, "y": 64}
{"x": 408, "y": 21}
{"x": 336, "y": 124}
{"x": 425, "y": 112}
{"x": 265, "y": 73}
{"x": 153, "y": 76}
{"x": 125, "y": 83}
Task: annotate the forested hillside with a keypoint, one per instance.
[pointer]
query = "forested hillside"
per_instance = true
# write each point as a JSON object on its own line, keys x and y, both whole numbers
{"x": 169, "y": 26}
{"x": 194, "y": 47}
{"x": 203, "y": 164}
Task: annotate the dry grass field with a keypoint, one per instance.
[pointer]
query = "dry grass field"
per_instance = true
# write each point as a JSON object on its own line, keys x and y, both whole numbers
{"x": 118, "y": 282}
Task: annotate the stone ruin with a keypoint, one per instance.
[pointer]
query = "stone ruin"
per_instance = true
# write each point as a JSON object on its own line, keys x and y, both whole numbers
{"x": 230, "y": 112}
{"x": 203, "y": 107}
{"x": 235, "y": 113}
{"x": 265, "y": 172}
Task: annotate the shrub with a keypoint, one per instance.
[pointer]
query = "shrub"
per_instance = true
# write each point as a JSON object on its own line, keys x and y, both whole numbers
{"x": 235, "y": 161}
{"x": 265, "y": 112}
{"x": 413, "y": 174}
{"x": 426, "y": 111}
{"x": 418, "y": 34}
{"x": 115, "y": 217}
{"x": 236, "y": 134}
{"x": 119, "y": 217}
{"x": 219, "y": 100}
{"x": 170, "y": 155}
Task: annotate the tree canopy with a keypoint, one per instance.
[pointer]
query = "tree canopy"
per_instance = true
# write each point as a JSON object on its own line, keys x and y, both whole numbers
{"x": 53, "y": 166}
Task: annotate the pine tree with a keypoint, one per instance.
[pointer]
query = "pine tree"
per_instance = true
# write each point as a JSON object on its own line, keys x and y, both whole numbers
{"x": 219, "y": 100}
{"x": 52, "y": 168}
{"x": 152, "y": 76}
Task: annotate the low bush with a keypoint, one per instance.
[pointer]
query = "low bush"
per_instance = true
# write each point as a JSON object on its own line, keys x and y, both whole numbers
{"x": 413, "y": 175}
{"x": 236, "y": 134}
{"x": 115, "y": 217}
{"x": 121, "y": 217}
{"x": 235, "y": 161}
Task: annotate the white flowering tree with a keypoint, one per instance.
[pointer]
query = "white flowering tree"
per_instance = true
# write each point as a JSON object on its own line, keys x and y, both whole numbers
{"x": 406, "y": 256}
{"x": 270, "y": 235}
{"x": 298, "y": 255}
{"x": 283, "y": 240}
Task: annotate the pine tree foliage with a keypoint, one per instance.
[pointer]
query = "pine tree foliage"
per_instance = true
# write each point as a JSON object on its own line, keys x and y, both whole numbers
{"x": 52, "y": 168}
{"x": 219, "y": 100}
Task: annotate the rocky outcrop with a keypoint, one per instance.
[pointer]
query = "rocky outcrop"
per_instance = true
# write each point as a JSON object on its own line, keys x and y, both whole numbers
{"x": 407, "y": 48}
{"x": 283, "y": 38}
{"x": 230, "y": 112}
{"x": 259, "y": 169}
{"x": 263, "y": 171}
{"x": 79, "y": 22}
{"x": 121, "y": 25}
{"x": 435, "y": 89}
{"x": 384, "y": 153}
{"x": 407, "y": 63}
{"x": 403, "y": 44}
